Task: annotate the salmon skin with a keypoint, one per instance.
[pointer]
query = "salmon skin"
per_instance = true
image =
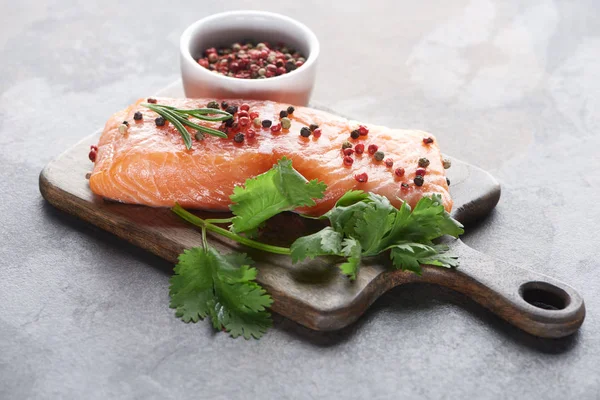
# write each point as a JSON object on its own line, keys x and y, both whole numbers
{"x": 150, "y": 165}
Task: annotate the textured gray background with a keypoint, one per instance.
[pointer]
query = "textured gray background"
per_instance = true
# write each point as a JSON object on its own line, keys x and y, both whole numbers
{"x": 511, "y": 86}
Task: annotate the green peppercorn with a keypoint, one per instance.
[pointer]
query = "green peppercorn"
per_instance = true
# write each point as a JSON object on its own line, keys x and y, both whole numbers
{"x": 123, "y": 128}
{"x": 290, "y": 110}
{"x": 262, "y": 72}
{"x": 266, "y": 123}
{"x": 423, "y": 163}
{"x": 199, "y": 136}
{"x": 313, "y": 127}
{"x": 355, "y": 134}
{"x": 238, "y": 138}
{"x": 261, "y": 46}
{"x": 305, "y": 132}
{"x": 257, "y": 122}
{"x": 286, "y": 123}
{"x": 282, "y": 114}
{"x": 212, "y": 104}
{"x": 379, "y": 155}
{"x": 447, "y": 163}
{"x": 419, "y": 180}
{"x": 346, "y": 145}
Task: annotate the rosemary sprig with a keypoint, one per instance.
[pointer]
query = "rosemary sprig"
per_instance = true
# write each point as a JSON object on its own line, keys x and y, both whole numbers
{"x": 179, "y": 118}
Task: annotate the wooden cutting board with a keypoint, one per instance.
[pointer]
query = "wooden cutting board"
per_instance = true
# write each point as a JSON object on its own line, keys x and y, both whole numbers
{"x": 314, "y": 293}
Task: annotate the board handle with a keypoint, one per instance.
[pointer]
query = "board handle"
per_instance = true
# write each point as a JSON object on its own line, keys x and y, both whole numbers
{"x": 535, "y": 303}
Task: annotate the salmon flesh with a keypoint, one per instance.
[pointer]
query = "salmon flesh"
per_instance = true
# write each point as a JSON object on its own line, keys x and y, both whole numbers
{"x": 150, "y": 164}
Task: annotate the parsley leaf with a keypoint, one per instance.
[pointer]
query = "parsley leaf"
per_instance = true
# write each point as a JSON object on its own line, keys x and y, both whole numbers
{"x": 352, "y": 250}
{"x": 281, "y": 188}
{"x": 409, "y": 256}
{"x": 222, "y": 287}
{"x": 367, "y": 225}
{"x": 325, "y": 242}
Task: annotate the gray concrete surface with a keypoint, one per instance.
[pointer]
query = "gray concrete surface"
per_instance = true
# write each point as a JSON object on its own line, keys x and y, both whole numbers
{"x": 511, "y": 86}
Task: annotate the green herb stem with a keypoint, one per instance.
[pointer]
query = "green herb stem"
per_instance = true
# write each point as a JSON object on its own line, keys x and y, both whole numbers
{"x": 203, "y": 224}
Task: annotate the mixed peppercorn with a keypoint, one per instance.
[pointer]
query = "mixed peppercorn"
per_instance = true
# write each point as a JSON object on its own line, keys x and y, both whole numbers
{"x": 244, "y": 122}
{"x": 250, "y": 61}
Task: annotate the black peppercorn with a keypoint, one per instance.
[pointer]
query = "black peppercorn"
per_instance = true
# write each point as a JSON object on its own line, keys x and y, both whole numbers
{"x": 231, "y": 110}
{"x": 290, "y": 66}
{"x": 266, "y": 123}
{"x": 160, "y": 121}
{"x": 313, "y": 127}
{"x": 125, "y": 123}
{"x": 448, "y": 181}
{"x": 404, "y": 185}
{"x": 427, "y": 140}
{"x": 137, "y": 116}
{"x": 224, "y": 105}
{"x": 279, "y": 63}
{"x": 305, "y": 132}
{"x": 290, "y": 110}
{"x": 355, "y": 134}
{"x": 283, "y": 114}
{"x": 423, "y": 162}
{"x": 229, "y": 122}
{"x": 151, "y": 101}
{"x": 419, "y": 180}
{"x": 238, "y": 138}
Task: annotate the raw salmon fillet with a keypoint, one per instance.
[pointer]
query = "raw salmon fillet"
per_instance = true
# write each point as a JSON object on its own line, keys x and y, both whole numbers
{"x": 150, "y": 165}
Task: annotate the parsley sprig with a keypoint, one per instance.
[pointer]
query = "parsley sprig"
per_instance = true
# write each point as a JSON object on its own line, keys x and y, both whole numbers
{"x": 223, "y": 288}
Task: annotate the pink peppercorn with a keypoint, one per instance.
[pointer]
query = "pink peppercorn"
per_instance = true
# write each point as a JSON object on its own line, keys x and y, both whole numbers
{"x": 389, "y": 163}
{"x": 243, "y": 121}
{"x": 348, "y": 152}
{"x": 362, "y": 178}
{"x": 420, "y": 171}
{"x": 245, "y": 107}
{"x": 253, "y": 115}
{"x": 243, "y": 114}
{"x": 348, "y": 160}
{"x": 427, "y": 140}
{"x": 317, "y": 132}
{"x": 363, "y": 130}
{"x": 92, "y": 155}
{"x": 399, "y": 171}
{"x": 250, "y": 133}
{"x": 359, "y": 148}
{"x": 276, "y": 127}
{"x": 281, "y": 71}
{"x": 373, "y": 148}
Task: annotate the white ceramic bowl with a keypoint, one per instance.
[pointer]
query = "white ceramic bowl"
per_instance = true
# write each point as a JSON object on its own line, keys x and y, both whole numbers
{"x": 226, "y": 28}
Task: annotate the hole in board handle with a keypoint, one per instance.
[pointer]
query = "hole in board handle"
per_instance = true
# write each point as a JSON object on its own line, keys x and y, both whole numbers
{"x": 544, "y": 295}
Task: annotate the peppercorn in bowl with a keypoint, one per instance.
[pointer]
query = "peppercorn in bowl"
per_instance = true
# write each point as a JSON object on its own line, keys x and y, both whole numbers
{"x": 249, "y": 54}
